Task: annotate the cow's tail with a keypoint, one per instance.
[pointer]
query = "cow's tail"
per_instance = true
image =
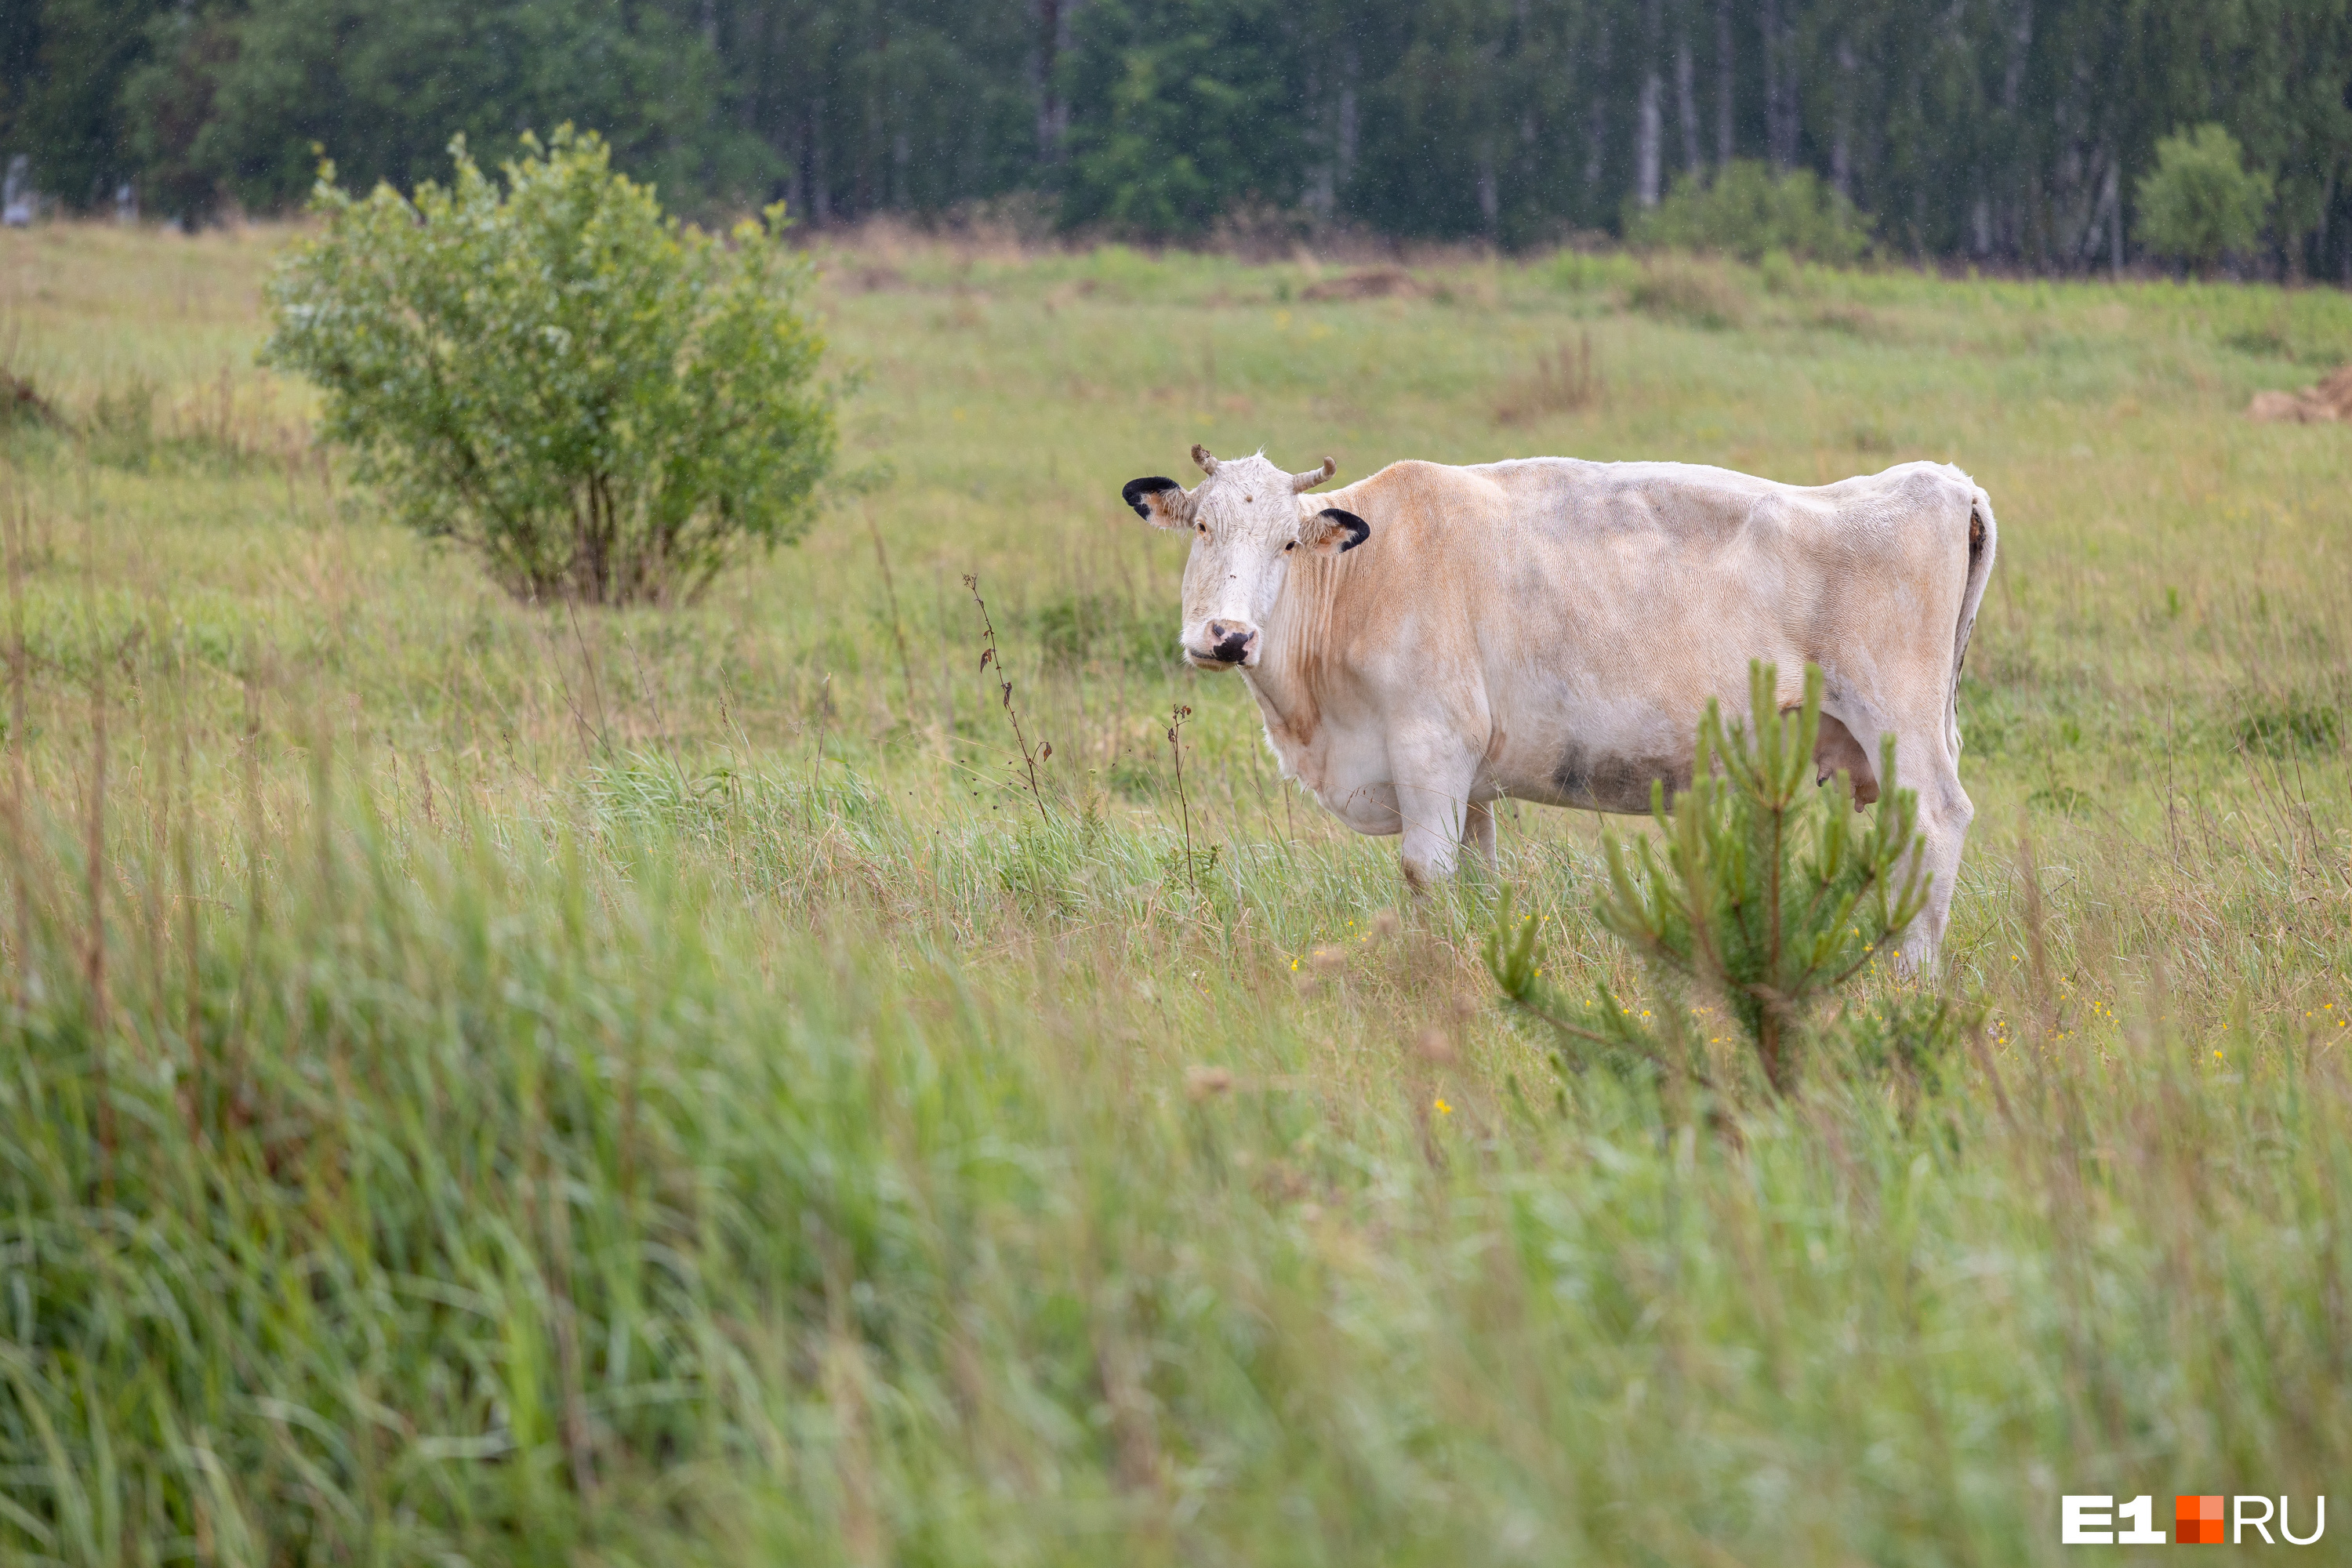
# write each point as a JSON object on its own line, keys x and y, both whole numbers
{"x": 1983, "y": 538}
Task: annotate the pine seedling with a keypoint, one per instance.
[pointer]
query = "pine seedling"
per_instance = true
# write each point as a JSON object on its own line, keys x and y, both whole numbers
{"x": 1763, "y": 895}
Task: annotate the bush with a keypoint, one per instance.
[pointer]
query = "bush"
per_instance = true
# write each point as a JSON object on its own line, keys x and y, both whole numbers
{"x": 1747, "y": 211}
{"x": 601, "y": 403}
{"x": 2201, "y": 202}
{"x": 1768, "y": 897}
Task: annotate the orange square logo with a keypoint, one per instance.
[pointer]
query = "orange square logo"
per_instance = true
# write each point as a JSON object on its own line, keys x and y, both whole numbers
{"x": 2197, "y": 1520}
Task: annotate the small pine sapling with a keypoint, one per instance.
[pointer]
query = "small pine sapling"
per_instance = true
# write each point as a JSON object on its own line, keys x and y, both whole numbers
{"x": 1763, "y": 895}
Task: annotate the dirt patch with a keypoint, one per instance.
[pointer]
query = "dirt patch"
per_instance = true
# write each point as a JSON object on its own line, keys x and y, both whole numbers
{"x": 2328, "y": 403}
{"x": 1372, "y": 283}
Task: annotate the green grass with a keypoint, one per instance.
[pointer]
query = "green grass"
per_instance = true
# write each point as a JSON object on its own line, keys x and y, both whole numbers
{"x": 514, "y": 1087}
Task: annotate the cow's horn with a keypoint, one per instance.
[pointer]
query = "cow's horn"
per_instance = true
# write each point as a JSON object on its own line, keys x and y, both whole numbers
{"x": 1201, "y": 456}
{"x": 1313, "y": 477}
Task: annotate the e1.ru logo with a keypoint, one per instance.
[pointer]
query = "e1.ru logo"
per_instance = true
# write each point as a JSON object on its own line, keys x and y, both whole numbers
{"x": 2197, "y": 1520}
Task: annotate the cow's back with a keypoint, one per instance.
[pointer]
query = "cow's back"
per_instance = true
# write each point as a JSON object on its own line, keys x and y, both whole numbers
{"x": 1572, "y": 607}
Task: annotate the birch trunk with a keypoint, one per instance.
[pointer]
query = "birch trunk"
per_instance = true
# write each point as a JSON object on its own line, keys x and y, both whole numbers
{"x": 1650, "y": 120}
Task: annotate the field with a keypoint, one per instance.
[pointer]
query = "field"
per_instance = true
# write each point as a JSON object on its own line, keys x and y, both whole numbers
{"x": 495, "y": 1084}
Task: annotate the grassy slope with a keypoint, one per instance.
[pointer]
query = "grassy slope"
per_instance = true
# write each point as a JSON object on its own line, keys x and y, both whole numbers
{"x": 623, "y": 1130}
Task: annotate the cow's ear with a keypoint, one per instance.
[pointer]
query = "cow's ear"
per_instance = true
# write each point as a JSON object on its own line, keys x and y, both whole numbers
{"x": 1333, "y": 532}
{"x": 1160, "y": 503}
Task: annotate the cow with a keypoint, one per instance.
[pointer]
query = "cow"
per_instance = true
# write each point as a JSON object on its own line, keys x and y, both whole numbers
{"x": 1432, "y": 639}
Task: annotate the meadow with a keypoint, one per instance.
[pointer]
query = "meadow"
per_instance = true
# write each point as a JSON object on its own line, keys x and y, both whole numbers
{"x": 495, "y": 1083}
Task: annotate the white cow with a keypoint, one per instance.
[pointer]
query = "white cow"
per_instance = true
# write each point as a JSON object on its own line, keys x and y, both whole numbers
{"x": 1432, "y": 639}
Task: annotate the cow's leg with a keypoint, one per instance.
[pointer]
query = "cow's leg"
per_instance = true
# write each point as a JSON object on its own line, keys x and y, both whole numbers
{"x": 1432, "y": 779}
{"x": 1926, "y": 763}
{"x": 1478, "y": 831}
{"x": 1944, "y": 813}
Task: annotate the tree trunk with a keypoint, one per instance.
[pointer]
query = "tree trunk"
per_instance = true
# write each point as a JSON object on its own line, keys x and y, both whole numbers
{"x": 1053, "y": 41}
{"x": 2115, "y": 215}
{"x": 1596, "y": 141}
{"x": 1840, "y": 150}
{"x": 1686, "y": 92}
{"x": 1645, "y": 154}
{"x": 820, "y": 185}
{"x": 1724, "y": 140}
{"x": 1648, "y": 121}
{"x": 1348, "y": 66}
{"x": 1780, "y": 125}
{"x": 2021, "y": 42}
{"x": 2318, "y": 238}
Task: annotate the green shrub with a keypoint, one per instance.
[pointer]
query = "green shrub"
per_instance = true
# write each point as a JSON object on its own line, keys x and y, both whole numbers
{"x": 2201, "y": 201}
{"x": 601, "y": 403}
{"x": 1747, "y": 211}
{"x": 1768, "y": 897}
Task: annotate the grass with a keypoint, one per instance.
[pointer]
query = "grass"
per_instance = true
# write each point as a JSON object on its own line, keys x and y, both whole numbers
{"x": 489, "y": 1084}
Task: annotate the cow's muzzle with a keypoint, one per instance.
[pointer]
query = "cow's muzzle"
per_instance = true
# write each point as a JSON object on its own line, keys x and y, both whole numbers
{"x": 1223, "y": 644}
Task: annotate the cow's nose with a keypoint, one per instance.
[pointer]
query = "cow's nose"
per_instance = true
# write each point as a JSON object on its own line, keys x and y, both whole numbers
{"x": 1229, "y": 641}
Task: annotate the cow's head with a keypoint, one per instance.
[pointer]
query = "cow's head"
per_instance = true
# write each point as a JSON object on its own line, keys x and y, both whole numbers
{"x": 1248, "y": 518}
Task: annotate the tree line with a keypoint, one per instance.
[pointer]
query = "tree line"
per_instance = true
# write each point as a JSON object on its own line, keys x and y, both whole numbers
{"x": 2006, "y": 131}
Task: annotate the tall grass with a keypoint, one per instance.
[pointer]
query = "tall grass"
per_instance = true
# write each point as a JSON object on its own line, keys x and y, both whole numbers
{"x": 648, "y": 1087}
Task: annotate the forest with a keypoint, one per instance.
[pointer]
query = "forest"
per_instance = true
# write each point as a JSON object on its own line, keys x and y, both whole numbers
{"x": 2009, "y": 133}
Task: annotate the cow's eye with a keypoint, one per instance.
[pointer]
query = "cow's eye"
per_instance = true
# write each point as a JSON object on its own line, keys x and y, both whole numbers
{"x": 1292, "y": 545}
{"x": 1201, "y": 526}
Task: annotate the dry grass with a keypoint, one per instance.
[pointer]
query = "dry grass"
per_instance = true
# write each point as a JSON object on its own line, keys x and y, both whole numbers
{"x": 486, "y": 1083}
{"x": 1690, "y": 289}
{"x": 1563, "y": 382}
{"x": 1371, "y": 283}
{"x": 2328, "y": 403}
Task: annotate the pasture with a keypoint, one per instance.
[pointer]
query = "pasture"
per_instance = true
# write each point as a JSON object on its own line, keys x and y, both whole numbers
{"x": 489, "y": 1083}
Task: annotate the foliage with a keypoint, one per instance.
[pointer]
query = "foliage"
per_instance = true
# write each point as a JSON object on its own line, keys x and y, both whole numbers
{"x": 1957, "y": 132}
{"x": 66, "y": 63}
{"x": 233, "y": 103}
{"x": 2201, "y": 202}
{"x": 1745, "y": 210}
{"x": 1767, "y": 897}
{"x": 600, "y": 404}
{"x": 1183, "y": 112}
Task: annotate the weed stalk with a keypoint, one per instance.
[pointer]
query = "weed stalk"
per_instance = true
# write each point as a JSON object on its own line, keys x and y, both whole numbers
{"x": 94, "y": 860}
{"x": 1176, "y": 717}
{"x": 898, "y": 624}
{"x": 21, "y": 869}
{"x": 1030, "y": 757}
